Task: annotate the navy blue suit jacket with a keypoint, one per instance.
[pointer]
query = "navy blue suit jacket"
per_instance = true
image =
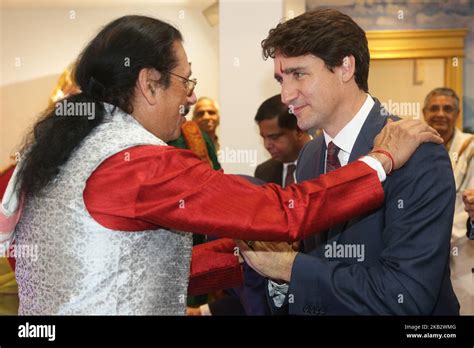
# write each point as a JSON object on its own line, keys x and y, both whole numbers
{"x": 270, "y": 171}
{"x": 404, "y": 267}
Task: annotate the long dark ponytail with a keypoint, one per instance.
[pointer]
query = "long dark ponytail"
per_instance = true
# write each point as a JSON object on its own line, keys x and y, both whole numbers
{"x": 106, "y": 71}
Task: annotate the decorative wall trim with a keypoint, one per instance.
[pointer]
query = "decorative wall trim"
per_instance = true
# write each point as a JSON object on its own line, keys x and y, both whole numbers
{"x": 447, "y": 44}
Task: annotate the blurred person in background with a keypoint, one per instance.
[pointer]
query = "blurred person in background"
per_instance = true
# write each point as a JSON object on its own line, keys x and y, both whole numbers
{"x": 206, "y": 115}
{"x": 441, "y": 111}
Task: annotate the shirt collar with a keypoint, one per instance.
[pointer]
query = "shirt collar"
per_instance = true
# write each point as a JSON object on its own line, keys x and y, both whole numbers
{"x": 347, "y": 136}
{"x": 285, "y": 165}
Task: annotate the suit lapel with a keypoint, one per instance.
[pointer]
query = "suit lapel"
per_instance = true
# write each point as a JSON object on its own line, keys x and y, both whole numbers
{"x": 363, "y": 145}
{"x": 311, "y": 163}
{"x": 310, "y": 166}
{"x": 371, "y": 127}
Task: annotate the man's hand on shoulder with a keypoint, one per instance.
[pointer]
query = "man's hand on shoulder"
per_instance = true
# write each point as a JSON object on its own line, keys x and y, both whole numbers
{"x": 400, "y": 140}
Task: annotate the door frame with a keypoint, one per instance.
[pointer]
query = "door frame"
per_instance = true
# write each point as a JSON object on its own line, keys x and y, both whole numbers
{"x": 447, "y": 44}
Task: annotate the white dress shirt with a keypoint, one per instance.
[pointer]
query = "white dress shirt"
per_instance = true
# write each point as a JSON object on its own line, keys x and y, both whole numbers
{"x": 285, "y": 171}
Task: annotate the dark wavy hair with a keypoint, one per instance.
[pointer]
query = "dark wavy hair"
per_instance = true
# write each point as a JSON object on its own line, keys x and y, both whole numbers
{"x": 106, "y": 71}
{"x": 327, "y": 34}
{"x": 272, "y": 108}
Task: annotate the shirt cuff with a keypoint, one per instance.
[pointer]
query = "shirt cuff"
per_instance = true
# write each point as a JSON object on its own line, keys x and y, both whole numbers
{"x": 375, "y": 165}
{"x": 277, "y": 292}
{"x": 205, "y": 310}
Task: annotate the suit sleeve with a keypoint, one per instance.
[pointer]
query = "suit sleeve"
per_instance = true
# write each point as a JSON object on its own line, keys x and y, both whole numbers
{"x": 408, "y": 276}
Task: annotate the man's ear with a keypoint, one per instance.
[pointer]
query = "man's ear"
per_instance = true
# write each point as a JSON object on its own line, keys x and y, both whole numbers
{"x": 347, "y": 68}
{"x": 147, "y": 84}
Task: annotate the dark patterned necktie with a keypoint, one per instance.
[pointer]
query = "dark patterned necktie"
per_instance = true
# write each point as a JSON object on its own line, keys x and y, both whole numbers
{"x": 332, "y": 161}
{"x": 290, "y": 175}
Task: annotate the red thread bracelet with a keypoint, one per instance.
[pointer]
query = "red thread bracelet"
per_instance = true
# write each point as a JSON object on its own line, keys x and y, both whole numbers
{"x": 389, "y": 155}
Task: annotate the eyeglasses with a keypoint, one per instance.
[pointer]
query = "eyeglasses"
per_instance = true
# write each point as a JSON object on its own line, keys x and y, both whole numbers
{"x": 190, "y": 83}
{"x": 446, "y": 108}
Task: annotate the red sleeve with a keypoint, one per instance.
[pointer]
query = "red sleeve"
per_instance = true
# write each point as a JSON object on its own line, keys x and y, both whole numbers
{"x": 4, "y": 179}
{"x": 146, "y": 187}
{"x": 214, "y": 267}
